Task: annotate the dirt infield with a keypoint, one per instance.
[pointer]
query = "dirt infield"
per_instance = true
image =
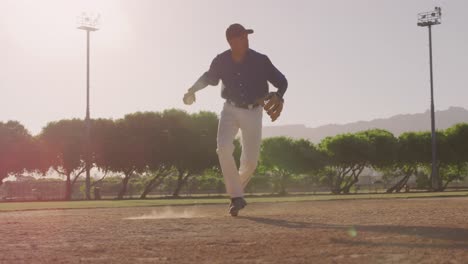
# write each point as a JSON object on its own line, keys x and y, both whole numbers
{"x": 430, "y": 230}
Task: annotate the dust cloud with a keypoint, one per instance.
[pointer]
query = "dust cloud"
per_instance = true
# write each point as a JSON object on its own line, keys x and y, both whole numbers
{"x": 168, "y": 213}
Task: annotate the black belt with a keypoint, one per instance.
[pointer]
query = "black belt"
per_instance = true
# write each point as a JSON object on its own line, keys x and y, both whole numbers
{"x": 244, "y": 106}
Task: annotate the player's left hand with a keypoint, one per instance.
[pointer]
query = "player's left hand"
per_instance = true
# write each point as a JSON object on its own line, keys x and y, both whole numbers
{"x": 273, "y": 105}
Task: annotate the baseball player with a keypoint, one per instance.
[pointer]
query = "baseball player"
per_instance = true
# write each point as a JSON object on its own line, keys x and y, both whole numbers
{"x": 245, "y": 74}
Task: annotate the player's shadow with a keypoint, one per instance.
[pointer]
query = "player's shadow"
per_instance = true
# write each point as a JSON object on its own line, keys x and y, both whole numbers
{"x": 451, "y": 234}
{"x": 278, "y": 222}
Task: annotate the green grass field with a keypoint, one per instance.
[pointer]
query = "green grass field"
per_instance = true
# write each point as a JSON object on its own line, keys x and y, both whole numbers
{"x": 22, "y": 206}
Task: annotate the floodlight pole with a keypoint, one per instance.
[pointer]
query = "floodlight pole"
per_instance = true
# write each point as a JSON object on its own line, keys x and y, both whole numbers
{"x": 434, "y": 172}
{"x": 88, "y": 24}
{"x": 429, "y": 19}
{"x": 88, "y": 125}
{"x": 87, "y": 75}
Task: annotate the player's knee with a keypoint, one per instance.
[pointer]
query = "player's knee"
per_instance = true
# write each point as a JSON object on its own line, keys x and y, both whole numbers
{"x": 225, "y": 149}
{"x": 250, "y": 166}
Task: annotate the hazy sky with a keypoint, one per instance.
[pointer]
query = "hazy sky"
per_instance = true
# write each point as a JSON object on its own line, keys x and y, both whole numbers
{"x": 345, "y": 60}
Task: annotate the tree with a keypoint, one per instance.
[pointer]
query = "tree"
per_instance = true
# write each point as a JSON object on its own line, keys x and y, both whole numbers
{"x": 347, "y": 155}
{"x": 411, "y": 153}
{"x": 384, "y": 148}
{"x": 457, "y": 141}
{"x": 63, "y": 148}
{"x": 283, "y": 158}
{"x": 18, "y": 149}
{"x": 146, "y": 149}
{"x": 103, "y": 140}
{"x": 415, "y": 158}
{"x": 192, "y": 140}
{"x": 135, "y": 141}
{"x": 210, "y": 180}
{"x": 443, "y": 155}
{"x": 454, "y": 159}
{"x": 452, "y": 172}
{"x": 310, "y": 161}
{"x": 160, "y": 162}
{"x": 309, "y": 158}
{"x": 276, "y": 158}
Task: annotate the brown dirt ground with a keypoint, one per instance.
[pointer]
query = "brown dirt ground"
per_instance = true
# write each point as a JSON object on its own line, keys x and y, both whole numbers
{"x": 359, "y": 231}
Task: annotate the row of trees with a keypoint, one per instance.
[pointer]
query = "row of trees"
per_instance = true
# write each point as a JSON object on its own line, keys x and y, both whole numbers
{"x": 173, "y": 144}
{"x": 339, "y": 161}
{"x": 150, "y": 143}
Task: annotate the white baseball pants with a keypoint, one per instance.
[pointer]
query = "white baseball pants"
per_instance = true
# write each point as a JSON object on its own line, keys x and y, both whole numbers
{"x": 249, "y": 121}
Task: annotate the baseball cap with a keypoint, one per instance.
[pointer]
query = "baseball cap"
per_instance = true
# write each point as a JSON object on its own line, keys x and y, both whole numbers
{"x": 235, "y": 30}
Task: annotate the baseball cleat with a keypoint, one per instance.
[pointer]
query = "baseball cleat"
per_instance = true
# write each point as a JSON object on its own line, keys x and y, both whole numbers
{"x": 236, "y": 205}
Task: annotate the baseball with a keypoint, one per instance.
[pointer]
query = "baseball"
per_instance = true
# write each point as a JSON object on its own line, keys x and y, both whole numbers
{"x": 189, "y": 99}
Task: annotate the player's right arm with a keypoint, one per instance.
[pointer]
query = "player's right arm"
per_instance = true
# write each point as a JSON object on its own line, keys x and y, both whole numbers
{"x": 210, "y": 77}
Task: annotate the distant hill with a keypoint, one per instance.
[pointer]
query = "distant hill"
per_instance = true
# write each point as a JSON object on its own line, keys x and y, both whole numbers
{"x": 396, "y": 124}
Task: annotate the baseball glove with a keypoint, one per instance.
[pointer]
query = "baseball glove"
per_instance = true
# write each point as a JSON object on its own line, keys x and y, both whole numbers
{"x": 273, "y": 105}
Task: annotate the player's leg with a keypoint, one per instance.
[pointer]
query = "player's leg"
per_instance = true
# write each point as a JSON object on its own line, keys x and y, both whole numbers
{"x": 227, "y": 130}
{"x": 251, "y": 128}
